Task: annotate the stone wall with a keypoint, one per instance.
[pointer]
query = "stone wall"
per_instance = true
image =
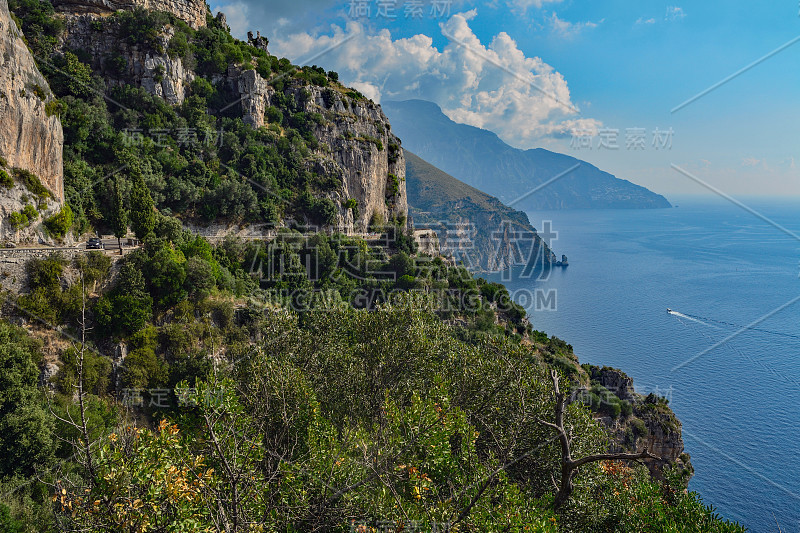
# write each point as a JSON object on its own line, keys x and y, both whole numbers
{"x": 13, "y": 260}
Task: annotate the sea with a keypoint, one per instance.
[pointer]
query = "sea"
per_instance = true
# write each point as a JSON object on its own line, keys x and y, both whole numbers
{"x": 720, "y": 267}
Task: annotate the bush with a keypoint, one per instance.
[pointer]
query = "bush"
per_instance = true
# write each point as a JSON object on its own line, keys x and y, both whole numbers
{"x": 54, "y": 107}
{"x": 17, "y": 220}
{"x": 6, "y": 180}
{"x": 45, "y": 273}
{"x": 32, "y": 182}
{"x": 59, "y": 224}
{"x": 178, "y": 46}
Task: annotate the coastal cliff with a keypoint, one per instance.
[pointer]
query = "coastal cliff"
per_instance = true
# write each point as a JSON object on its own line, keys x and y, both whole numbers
{"x": 649, "y": 424}
{"x": 473, "y": 227}
{"x": 31, "y": 137}
{"x": 193, "y": 12}
{"x": 354, "y": 144}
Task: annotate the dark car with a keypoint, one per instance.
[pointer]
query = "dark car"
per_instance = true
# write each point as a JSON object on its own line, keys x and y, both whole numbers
{"x": 94, "y": 244}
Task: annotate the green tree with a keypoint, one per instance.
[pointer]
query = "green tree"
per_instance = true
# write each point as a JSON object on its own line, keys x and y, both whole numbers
{"x": 119, "y": 216}
{"x": 143, "y": 214}
{"x": 26, "y": 428}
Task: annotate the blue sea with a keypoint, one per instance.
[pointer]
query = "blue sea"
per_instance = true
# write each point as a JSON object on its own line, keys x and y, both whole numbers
{"x": 718, "y": 267}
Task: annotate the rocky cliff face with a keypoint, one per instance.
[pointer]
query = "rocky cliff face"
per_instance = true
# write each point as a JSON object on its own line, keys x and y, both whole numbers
{"x": 31, "y": 137}
{"x": 360, "y": 148}
{"x": 355, "y": 141}
{"x": 651, "y": 425}
{"x": 158, "y": 74}
{"x": 357, "y": 145}
{"x": 473, "y": 227}
{"x": 193, "y": 12}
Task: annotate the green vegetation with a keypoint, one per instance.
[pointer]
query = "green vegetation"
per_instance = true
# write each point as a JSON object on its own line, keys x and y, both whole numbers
{"x": 322, "y": 416}
{"x": 24, "y": 218}
{"x": 59, "y": 224}
{"x": 311, "y": 382}
{"x": 6, "y": 180}
{"x": 32, "y": 183}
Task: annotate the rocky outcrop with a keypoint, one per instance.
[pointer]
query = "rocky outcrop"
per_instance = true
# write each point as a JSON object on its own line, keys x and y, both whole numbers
{"x": 193, "y": 12}
{"x": 158, "y": 74}
{"x": 254, "y": 92}
{"x": 651, "y": 424}
{"x": 31, "y": 137}
{"x": 355, "y": 144}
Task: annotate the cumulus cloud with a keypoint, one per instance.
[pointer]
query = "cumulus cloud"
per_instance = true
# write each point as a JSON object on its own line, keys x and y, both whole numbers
{"x": 493, "y": 86}
{"x": 644, "y": 21}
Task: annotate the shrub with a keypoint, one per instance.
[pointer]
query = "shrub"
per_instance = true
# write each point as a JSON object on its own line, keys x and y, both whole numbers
{"x": 6, "y": 180}
{"x": 32, "y": 182}
{"x": 59, "y": 224}
{"x": 17, "y": 220}
{"x": 54, "y": 107}
{"x": 45, "y": 273}
{"x": 142, "y": 27}
{"x": 158, "y": 73}
{"x": 178, "y": 46}
{"x": 39, "y": 92}
{"x": 394, "y": 152}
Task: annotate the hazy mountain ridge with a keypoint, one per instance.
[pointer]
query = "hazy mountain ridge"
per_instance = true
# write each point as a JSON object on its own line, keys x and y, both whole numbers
{"x": 481, "y": 159}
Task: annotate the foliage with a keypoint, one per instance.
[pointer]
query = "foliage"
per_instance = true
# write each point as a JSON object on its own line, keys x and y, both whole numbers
{"x": 320, "y": 381}
{"x": 39, "y": 25}
{"x": 119, "y": 215}
{"x": 26, "y": 428}
{"x": 142, "y": 213}
{"x": 142, "y": 27}
{"x": 6, "y": 180}
{"x": 32, "y": 182}
{"x": 59, "y": 224}
{"x": 144, "y": 481}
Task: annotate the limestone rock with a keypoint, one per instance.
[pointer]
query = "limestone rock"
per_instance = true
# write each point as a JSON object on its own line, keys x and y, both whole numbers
{"x": 356, "y": 146}
{"x": 29, "y": 138}
{"x": 652, "y": 425}
{"x": 255, "y": 94}
{"x": 193, "y": 12}
{"x": 158, "y": 74}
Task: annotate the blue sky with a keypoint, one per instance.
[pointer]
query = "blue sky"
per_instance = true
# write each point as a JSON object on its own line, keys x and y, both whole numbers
{"x": 613, "y": 65}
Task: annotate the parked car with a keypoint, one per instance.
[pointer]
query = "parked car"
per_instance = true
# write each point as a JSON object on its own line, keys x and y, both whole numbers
{"x": 94, "y": 244}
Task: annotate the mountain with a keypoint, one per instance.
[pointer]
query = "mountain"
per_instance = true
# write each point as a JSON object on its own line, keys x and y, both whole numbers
{"x": 479, "y": 158}
{"x": 494, "y": 236}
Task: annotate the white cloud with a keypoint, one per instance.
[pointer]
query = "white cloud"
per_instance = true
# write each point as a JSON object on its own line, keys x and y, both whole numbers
{"x": 570, "y": 29}
{"x": 644, "y": 21}
{"x": 752, "y": 162}
{"x": 493, "y": 86}
{"x": 675, "y": 13}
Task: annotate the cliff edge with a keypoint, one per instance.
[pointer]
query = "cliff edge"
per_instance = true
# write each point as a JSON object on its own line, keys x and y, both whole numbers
{"x": 31, "y": 137}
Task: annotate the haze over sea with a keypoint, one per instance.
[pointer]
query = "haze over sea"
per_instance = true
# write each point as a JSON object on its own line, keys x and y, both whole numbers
{"x": 739, "y": 402}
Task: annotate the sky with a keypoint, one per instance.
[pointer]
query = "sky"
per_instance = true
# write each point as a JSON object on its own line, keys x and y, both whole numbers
{"x": 622, "y": 85}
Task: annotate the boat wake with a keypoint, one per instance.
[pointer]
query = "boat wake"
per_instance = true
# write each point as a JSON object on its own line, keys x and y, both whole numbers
{"x": 710, "y": 322}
